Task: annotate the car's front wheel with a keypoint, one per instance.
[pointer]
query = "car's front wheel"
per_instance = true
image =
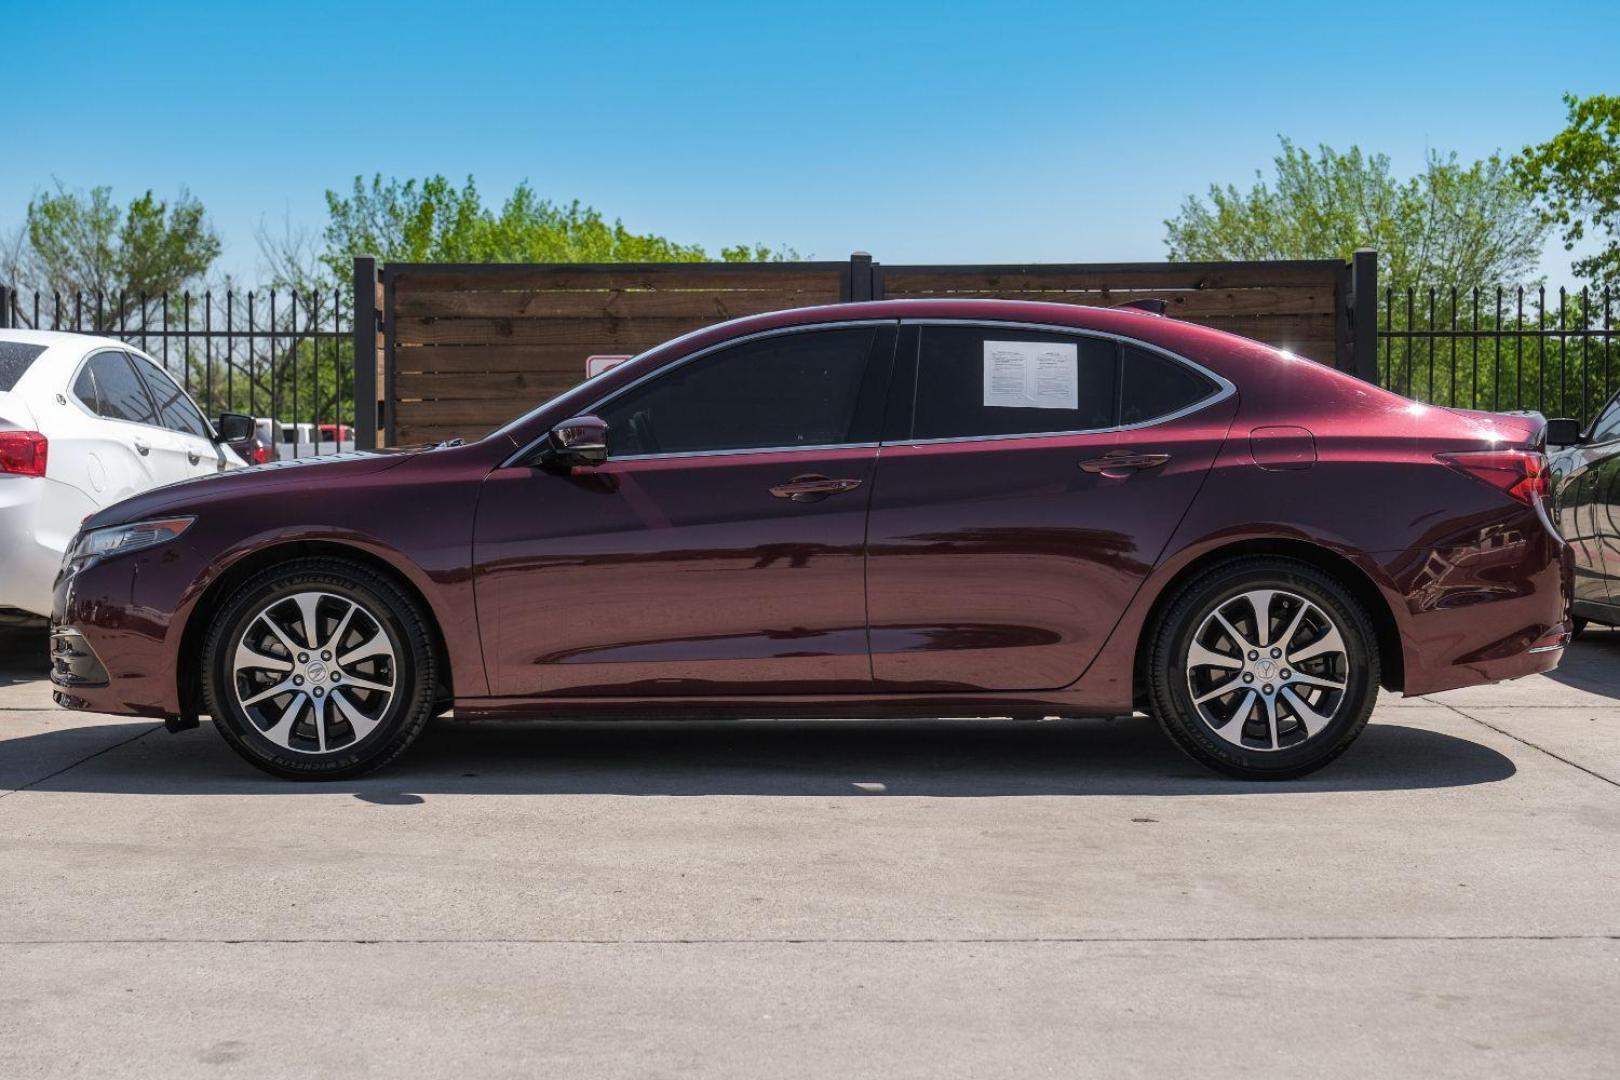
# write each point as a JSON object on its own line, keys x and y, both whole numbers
{"x": 1264, "y": 668}
{"x": 319, "y": 669}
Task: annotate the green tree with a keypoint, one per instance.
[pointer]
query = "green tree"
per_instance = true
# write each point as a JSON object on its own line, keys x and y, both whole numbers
{"x": 1450, "y": 225}
{"x": 1576, "y": 175}
{"x": 82, "y": 242}
{"x": 432, "y": 220}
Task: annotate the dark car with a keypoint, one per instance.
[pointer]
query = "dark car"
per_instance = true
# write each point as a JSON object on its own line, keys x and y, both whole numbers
{"x": 1585, "y": 499}
{"x": 256, "y": 445}
{"x": 898, "y": 509}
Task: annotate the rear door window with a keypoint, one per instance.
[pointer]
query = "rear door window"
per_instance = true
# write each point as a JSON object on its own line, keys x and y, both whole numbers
{"x": 108, "y": 386}
{"x": 15, "y": 358}
{"x": 1154, "y": 386}
{"x": 976, "y": 381}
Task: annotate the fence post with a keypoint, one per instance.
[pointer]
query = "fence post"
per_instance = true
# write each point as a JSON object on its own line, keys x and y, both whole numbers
{"x": 366, "y": 404}
{"x": 860, "y": 276}
{"x": 5, "y": 305}
{"x": 1364, "y": 314}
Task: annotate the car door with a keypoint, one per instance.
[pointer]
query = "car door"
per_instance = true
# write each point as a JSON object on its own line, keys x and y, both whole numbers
{"x": 1596, "y": 510}
{"x": 188, "y": 443}
{"x": 114, "y": 444}
{"x": 719, "y": 550}
{"x": 1028, "y": 482}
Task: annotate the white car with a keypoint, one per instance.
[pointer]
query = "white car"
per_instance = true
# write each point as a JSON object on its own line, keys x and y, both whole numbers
{"x": 84, "y": 422}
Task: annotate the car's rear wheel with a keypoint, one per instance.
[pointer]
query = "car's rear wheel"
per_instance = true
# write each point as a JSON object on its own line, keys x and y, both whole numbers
{"x": 1264, "y": 668}
{"x": 319, "y": 669}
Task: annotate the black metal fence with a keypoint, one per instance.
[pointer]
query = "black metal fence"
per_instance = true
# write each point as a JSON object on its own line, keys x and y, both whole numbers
{"x": 1501, "y": 349}
{"x": 286, "y": 356}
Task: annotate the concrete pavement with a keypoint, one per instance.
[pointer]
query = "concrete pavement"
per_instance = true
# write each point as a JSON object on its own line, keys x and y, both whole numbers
{"x": 799, "y": 899}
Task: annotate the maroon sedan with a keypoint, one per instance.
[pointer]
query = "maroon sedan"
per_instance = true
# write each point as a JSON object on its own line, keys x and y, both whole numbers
{"x": 914, "y": 508}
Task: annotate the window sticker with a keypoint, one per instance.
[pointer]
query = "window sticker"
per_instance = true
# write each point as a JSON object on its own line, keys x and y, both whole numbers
{"x": 1031, "y": 374}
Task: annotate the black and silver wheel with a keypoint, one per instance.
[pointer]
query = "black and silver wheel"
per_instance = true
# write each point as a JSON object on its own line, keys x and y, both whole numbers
{"x": 319, "y": 669}
{"x": 1264, "y": 669}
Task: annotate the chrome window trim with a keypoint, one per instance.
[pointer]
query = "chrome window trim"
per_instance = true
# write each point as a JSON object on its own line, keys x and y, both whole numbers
{"x": 1223, "y": 386}
{"x": 779, "y": 331}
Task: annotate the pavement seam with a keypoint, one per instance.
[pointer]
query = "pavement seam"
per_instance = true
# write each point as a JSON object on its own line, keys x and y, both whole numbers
{"x": 1100, "y": 940}
{"x": 1526, "y": 742}
{"x": 81, "y": 761}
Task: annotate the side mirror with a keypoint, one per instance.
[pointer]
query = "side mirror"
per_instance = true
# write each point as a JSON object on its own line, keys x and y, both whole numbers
{"x": 1563, "y": 431}
{"x": 580, "y": 441}
{"x": 234, "y": 427}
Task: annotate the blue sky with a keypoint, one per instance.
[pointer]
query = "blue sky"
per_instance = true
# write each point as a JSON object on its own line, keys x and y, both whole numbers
{"x": 920, "y": 132}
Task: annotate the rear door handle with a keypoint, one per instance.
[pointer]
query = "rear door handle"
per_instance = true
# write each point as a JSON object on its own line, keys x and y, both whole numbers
{"x": 813, "y": 487}
{"x": 142, "y": 447}
{"x": 1123, "y": 462}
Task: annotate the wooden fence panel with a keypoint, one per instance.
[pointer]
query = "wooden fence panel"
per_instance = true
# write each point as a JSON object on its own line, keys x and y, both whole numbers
{"x": 470, "y": 347}
{"x": 1299, "y": 306}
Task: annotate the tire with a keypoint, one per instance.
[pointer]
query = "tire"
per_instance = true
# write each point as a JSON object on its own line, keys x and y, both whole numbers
{"x": 1198, "y": 695}
{"x": 303, "y": 712}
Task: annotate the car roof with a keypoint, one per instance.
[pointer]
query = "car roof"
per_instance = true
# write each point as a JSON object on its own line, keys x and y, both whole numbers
{"x": 51, "y": 338}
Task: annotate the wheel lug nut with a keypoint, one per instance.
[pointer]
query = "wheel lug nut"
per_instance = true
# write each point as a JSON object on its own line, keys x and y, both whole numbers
{"x": 1248, "y": 677}
{"x": 336, "y": 676}
{"x": 326, "y": 656}
{"x": 319, "y": 691}
{"x": 1287, "y": 674}
{"x": 1254, "y": 655}
{"x": 1268, "y": 688}
{"x": 298, "y": 680}
{"x": 303, "y": 658}
{"x": 1276, "y": 653}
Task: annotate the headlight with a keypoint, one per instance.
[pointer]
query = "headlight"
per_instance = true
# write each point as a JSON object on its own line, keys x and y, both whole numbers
{"x": 119, "y": 539}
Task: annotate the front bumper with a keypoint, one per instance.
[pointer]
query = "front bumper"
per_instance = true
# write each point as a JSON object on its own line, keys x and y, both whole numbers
{"x": 117, "y": 624}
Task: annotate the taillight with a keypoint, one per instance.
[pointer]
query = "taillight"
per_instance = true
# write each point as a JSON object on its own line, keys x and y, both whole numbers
{"x": 261, "y": 454}
{"x": 22, "y": 452}
{"x": 1521, "y": 474}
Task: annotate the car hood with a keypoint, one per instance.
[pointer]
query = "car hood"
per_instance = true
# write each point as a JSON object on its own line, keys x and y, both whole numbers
{"x": 185, "y": 495}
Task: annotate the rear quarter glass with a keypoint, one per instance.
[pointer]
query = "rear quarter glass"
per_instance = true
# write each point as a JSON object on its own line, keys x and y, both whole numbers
{"x": 15, "y": 359}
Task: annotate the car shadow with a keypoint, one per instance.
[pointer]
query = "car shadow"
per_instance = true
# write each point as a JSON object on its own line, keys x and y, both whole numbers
{"x": 937, "y": 759}
{"x": 24, "y": 654}
{"x": 1592, "y": 663}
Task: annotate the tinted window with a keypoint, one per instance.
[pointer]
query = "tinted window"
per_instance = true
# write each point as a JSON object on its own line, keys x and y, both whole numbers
{"x": 796, "y": 389}
{"x": 174, "y": 408}
{"x": 14, "y": 360}
{"x": 1608, "y": 424}
{"x": 975, "y": 380}
{"x": 1156, "y": 385}
{"x": 108, "y": 387}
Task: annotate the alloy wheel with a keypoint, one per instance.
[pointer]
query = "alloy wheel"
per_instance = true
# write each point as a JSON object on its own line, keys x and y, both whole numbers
{"x": 314, "y": 672}
{"x": 1267, "y": 669}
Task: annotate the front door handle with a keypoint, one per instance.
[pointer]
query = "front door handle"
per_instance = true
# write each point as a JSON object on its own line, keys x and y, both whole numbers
{"x": 1118, "y": 463}
{"x": 193, "y": 457}
{"x": 812, "y": 487}
{"x": 142, "y": 447}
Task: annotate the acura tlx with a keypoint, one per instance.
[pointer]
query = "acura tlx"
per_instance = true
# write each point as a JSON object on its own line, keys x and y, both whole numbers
{"x": 894, "y": 509}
